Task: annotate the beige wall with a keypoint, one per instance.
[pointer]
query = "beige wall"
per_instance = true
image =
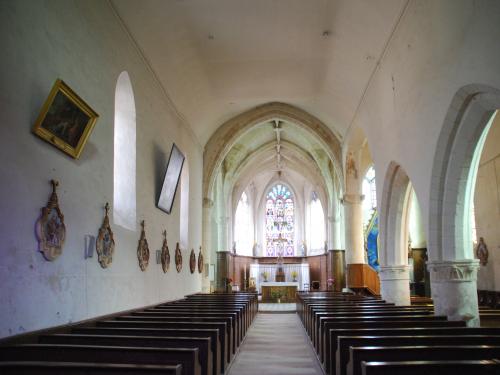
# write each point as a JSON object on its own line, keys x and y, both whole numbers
{"x": 83, "y": 43}
{"x": 487, "y": 206}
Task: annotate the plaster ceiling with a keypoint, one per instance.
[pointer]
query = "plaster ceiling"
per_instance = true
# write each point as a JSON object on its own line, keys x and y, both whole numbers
{"x": 218, "y": 58}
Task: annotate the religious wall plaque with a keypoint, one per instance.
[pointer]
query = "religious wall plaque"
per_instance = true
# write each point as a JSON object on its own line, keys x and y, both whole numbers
{"x": 192, "y": 261}
{"x": 143, "y": 250}
{"x": 165, "y": 254}
{"x": 105, "y": 243}
{"x": 200, "y": 262}
{"x": 178, "y": 258}
{"x": 50, "y": 228}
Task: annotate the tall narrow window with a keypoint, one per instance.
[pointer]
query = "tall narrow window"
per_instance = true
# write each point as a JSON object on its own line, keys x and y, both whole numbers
{"x": 184, "y": 208}
{"x": 316, "y": 225}
{"x": 370, "y": 193}
{"x": 280, "y": 223}
{"x": 243, "y": 230}
{"x": 124, "y": 199}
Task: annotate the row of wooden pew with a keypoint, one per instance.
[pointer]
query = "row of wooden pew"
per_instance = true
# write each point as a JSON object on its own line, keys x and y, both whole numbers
{"x": 198, "y": 335}
{"x": 359, "y": 335}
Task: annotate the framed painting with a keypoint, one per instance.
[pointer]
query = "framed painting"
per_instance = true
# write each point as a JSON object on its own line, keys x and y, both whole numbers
{"x": 171, "y": 180}
{"x": 65, "y": 120}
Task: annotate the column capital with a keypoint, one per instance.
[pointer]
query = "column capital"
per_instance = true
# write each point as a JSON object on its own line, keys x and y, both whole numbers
{"x": 453, "y": 271}
{"x": 352, "y": 198}
{"x": 397, "y": 272}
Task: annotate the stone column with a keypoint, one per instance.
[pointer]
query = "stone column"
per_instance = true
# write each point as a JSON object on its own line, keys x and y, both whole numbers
{"x": 454, "y": 289}
{"x": 354, "y": 242}
{"x": 208, "y": 250}
{"x": 395, "y": 284}
{"x": 222, "y": 232}
{"x": 223, "y": 271}
{"x": 333, "y": 233}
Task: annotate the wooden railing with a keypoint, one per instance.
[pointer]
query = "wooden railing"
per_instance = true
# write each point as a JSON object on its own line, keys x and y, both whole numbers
{"x": 361, "y": 277}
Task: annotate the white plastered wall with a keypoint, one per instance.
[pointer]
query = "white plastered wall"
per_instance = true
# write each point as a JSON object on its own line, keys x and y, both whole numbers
{"x": 84, "y": 44}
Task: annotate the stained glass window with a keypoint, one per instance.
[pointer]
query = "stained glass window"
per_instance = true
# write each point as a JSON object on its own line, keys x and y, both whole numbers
{"x": 280, "y": 208}
{"x": 370, "y": 193}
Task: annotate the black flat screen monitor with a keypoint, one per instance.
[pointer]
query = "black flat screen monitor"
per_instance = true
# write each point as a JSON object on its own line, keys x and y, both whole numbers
{"x": 171, "y": 180}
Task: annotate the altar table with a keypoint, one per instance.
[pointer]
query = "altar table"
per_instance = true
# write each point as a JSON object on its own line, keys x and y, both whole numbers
{"x": 287, "y": 290}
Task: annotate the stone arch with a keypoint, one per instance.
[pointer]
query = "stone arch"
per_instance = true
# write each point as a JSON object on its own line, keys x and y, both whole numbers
{"x": 452, "y": 267}
{"x": 228, "y": 133}
{"x": 467, "y": 117}
{"x": 393, "y": 221}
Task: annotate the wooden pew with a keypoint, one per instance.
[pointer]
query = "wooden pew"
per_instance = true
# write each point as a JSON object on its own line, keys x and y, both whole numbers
{"x": 218, "y": 359}
{"x": 330, "y": 358}
{"x": 84, "y": 368}
{"x": 331, "y": 327}
{"x": 187, "y": 357}
{"x": 478, "y": 367}
{"x": 415, "y": 353}
{"x": 231, "y": 317}
{"x": 224, "y": 338}
{"x": 326, "y": 316}
{"x": 345, "y": 342}
{"x": 201, "y": 343}
{"x": 239, "y": 309}
{"x": 325, "y": 323}
{"x": 190, "y": 318}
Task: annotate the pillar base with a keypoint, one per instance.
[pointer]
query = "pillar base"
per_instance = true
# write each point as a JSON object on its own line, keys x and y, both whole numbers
{"x": 395, "y": 284}
{"x": 454, "y": 289}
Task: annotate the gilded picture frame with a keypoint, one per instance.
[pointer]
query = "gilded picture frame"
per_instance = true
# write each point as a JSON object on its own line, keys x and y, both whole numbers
{"x": 65, "y": 120}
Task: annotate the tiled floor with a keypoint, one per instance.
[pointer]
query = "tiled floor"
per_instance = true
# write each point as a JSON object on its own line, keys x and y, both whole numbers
{"x": 276, "y": 344}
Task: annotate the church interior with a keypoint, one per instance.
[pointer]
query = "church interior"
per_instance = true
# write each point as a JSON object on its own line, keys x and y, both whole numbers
{"x": 242, "y": 187}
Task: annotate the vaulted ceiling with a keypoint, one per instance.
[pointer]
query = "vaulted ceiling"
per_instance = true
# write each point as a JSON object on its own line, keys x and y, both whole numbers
{"x": 218, "y": 58}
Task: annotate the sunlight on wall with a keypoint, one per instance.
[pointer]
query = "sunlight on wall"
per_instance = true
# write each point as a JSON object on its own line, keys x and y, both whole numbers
{"x": 316, "y": 226}
{"x": 469, "y": 225}
{"x": 243, "y": 232}
{"x": 124, "y": 196}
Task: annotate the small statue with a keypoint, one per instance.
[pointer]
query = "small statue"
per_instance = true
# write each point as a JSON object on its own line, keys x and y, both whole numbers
{"x": 482, "y": 252}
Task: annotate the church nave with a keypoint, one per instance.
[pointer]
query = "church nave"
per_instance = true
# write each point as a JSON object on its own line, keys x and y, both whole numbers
{"x": 276, "y": 344}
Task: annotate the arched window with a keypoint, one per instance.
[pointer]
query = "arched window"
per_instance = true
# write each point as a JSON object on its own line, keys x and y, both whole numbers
{"x": 316, "y": 226}
{"x": 370, "y": 193}
{"x": 280, "y": 228}
{"x": 124, "y": 199}
{"x": 243, "y": 230}
{"x": 184, "y": 207}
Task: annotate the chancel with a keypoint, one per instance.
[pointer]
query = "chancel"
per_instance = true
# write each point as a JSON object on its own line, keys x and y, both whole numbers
{"x": 269, "y": 187}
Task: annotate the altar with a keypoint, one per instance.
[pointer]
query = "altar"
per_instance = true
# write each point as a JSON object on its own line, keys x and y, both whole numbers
{"x": 284, "y": 291}
{"x": 295, "y": 274}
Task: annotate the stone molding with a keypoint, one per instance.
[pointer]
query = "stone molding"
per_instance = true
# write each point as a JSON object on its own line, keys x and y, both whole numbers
{"x": 453, "y": 271}
{"x": 399, "y": 272}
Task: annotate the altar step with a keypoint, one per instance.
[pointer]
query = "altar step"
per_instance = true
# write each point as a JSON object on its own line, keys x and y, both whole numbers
{"x": 277, "y": 308}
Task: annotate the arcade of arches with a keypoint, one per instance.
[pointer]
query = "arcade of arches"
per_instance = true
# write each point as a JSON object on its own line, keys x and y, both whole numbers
{"x": 359, "y": 151}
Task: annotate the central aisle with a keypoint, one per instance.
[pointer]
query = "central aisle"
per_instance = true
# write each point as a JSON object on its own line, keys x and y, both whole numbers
{"x": 276, "y": 344}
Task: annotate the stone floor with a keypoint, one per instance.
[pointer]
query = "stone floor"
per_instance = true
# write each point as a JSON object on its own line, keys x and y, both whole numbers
{"x": 277, "y": 307}
{"x": 276, "y": 344}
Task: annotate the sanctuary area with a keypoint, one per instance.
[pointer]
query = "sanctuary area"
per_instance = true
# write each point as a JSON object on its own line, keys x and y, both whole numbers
{"x": 250, "y": 187}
